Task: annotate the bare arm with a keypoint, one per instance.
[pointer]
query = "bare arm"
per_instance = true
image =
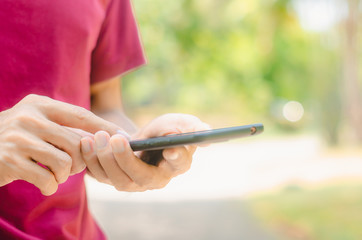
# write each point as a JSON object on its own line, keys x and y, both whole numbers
{"x": 107, "y": 103}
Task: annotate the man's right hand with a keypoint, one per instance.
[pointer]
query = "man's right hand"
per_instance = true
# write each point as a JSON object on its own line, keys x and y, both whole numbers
{"x": 35, "y": 145}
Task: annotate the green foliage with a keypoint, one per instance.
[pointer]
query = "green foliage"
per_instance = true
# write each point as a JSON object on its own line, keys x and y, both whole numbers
{"x": 232, "y": 58}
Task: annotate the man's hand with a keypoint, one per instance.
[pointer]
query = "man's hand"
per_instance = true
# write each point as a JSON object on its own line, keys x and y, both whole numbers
{"x": 110, "y": 159}
{"x": 36, "y": 147}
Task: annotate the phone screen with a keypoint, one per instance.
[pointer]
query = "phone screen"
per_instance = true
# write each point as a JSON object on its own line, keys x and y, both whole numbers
{"x": 208, "y": 136}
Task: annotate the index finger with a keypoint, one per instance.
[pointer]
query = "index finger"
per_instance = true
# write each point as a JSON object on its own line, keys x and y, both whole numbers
{"x": 73, "y": 116}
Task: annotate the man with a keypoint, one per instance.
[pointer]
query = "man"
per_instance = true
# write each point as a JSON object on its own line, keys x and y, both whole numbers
{"x": 59, "y": 58}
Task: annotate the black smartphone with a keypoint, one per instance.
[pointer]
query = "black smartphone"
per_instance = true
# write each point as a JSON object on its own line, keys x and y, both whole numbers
{"x": 208, "y": 136}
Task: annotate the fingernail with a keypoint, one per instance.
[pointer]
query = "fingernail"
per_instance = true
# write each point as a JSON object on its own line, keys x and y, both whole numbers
{"x": 101, "y": 140}
{"x": 86, "y": 147}
{"x": 123, "y": 133}
{"x": 117, "y": 144}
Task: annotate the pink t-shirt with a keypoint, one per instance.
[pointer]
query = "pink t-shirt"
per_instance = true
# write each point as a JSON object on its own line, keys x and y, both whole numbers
{"x": 58, "y": 49}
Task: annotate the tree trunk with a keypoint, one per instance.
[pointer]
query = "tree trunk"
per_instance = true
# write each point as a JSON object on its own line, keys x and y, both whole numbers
{"x": 352, "y": 90}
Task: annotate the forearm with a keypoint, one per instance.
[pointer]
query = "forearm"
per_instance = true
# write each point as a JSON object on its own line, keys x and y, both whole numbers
{"x": 107, "y": 103}
{"x": 118, "y": 117}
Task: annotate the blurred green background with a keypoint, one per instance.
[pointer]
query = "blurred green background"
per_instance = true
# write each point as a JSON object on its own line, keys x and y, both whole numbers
{"x": 240, "y": 61}
{"x": 293, "y": 65}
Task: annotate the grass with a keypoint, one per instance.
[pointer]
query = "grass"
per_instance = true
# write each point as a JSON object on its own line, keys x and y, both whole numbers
{"x": 330, "y": 212}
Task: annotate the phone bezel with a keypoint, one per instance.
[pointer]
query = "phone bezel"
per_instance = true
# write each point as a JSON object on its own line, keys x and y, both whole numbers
{"x": 189, "y": 138}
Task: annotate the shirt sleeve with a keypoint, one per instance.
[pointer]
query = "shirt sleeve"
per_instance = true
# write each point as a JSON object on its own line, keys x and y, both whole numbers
{"x": 119, "y": 47}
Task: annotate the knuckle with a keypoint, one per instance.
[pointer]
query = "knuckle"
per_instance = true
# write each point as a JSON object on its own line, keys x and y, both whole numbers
{"x": 81, "y": 113}
{"x": 144, "y": 182}
{"x": 75, "y": 142}
{"x": 120, "y": 188}
{"x": 74, "y": 149}
{"x": 49, "y": 186}
{"x": 8, "y": 162}
{"x": 150, "y": 181}
{"x": 34, "y": 99}
{"x": 77, "y": 168}
{"x": 15, "y": 143}
{"x": 64, "y": 161}
{"x": 125, "y": 185}
{"x": 76, "y": 158}
{"x": 18, "y": 119}
{"x": 11, "y": 136}
{"x": 103, "y": 179}
{"x": 44, "y": 181}
{"x": 162, "y": 184}
{"x": 26, "y": 118}
{"x": 30, "y": 98}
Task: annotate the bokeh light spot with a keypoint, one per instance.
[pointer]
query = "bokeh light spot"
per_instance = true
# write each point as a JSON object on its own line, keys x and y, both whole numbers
{"x": 293, "y": 111}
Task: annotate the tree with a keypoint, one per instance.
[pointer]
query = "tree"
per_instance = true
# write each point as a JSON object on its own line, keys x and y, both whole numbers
{"x": 351, "y": 85}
